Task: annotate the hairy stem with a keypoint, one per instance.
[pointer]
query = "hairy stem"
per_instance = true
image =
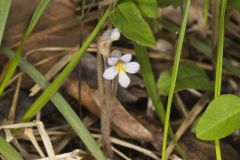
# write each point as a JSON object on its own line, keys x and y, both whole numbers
{"x": 105, "y": 94}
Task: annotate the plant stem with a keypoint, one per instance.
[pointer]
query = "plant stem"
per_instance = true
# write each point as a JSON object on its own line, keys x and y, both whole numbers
{"x": 104, "y": 87}
{"x": 214, "y": 24}
{"x": 174, "y": 75}
{"x": 218, "y": 149}
{"x": 106, "y": 108}
{"x": 218, "y": 76}
{"x": 106, "y": 118}
{"x": 105, "y": 90}
{"x": 206, "y": 9}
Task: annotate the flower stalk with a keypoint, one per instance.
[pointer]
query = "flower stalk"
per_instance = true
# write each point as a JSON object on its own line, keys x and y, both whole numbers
{"x": 105, "y": 88}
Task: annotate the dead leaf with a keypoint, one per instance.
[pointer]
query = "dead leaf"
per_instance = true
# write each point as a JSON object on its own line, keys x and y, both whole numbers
{"x": 121, "y": 119}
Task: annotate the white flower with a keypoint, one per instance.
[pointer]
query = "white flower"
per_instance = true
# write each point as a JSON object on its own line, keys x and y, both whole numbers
{"x": 111, "y": 35}
{"x": 121, "y": 65}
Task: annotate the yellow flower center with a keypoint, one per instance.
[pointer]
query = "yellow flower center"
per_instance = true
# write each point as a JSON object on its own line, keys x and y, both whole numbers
{"x": 120, "y": 67}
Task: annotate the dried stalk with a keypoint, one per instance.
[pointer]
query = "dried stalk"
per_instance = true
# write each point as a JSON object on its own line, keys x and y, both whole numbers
{"x": 106, "y": 95}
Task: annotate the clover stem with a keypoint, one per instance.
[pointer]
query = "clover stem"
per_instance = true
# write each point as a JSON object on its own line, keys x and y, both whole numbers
{"x": 218, "y": 76}
{"x": 174, "y": 74}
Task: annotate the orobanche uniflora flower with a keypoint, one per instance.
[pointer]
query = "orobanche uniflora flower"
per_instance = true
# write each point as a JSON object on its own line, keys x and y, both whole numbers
{"x": 105, "y": 41}
{"x": 120, "y": 65}
{"x": 111, "y": 35}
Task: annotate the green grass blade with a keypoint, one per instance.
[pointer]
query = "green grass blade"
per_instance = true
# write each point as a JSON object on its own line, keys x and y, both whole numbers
{"x": 8, "y": 151}
{"x": 174, "y": 74}
{"x": 51, "y": 90}
{"x": 151, "y": 87}
{"x": 35, "y": 18}
{"x": 62, "y": 105}
{"x": 4, "y": 10}
{"x": 14, "y": 62}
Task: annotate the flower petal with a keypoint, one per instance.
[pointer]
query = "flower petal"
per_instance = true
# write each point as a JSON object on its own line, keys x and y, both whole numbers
{"x": 115, "y": 35}
{"x": 123, "y": 79}
{"x": 113, "y": 60}
{"x": 132, "y": 67}
{"x": 110, "y": 73}
{"x": 106, "y": 35}
{"x": 126, "y": 58}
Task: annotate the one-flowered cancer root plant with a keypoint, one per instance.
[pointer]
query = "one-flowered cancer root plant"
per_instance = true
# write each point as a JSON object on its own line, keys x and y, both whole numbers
{"x": 111, "y": 35}
{"x": 105, "y": 42}
{"x": 121, "y": 65}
